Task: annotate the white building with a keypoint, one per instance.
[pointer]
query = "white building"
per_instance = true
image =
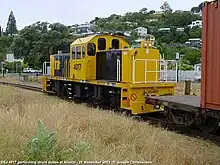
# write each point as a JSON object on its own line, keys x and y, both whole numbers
{"x": 151, "y": 20}
{"x": 127, "y": 33}
{"x": 158, "y": 12}
{"x": 196, "y": 23}
{"x": 180, "y": 29}
{"x": 131, "y": 23}
{"x": 141, "y": 31}
{"x": 197, "y": 67}
{"x": 179, "y": 11}
{"x": 10, "y": 58}
{"x": 84, "y": 25}
{"x": 82, "y": 28}
{"x": 198, "y": 13}
{"x": 164, "y": 29}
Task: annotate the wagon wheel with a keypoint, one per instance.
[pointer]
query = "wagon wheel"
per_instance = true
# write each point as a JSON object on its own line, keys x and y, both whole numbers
{"x": 180, "y": 117}
{"x": 211, "y": 125}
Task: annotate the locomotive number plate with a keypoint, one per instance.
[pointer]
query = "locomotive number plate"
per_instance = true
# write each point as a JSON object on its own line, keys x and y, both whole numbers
{"x": 77, "y": 66}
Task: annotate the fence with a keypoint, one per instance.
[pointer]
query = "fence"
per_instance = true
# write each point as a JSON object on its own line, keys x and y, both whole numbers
{"x": 184, "y": 75}
{"x": 23, "y": 76}
{"x": 153, "y": 71}
{"x": 171, "y": 75}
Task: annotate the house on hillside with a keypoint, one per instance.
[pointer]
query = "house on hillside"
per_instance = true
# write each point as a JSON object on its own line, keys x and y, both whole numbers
{"x": 127, "y": 33}
{"x": 158, "y": 12}
{"x": 131, "y": 23}
{"x": 197, "y": 13}
{"x": 82, "y": 28}
{"x": 164, "y": 29}
{"x": 197, "y": 67}
{"x": 194, "y": 42}
{"x": 10, "y": 58}
{"x": 141, "y": 31}
{"x": 180, "y": 29}
{"x": 179, "y": 11}
{"x": 196, "y": 23}
{"x": 151, "y": 20}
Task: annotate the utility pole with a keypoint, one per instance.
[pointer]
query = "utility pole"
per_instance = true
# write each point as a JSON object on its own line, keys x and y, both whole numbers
{"x": 16, "y": 67}
{"x": 178, "y": 59}
{"x": 3, "y": 68}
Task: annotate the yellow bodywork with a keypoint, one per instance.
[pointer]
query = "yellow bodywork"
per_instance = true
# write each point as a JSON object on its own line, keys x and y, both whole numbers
{"x": 52, "y": 66}
{"x": 142, "y": 65}
{"x": 140, "y": 74}
{"x": 85, "y": 68}
{"x": 134, "y": 98}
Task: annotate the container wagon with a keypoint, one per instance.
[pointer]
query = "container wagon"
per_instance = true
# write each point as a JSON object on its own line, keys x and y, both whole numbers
{"x": 203, "y": 110}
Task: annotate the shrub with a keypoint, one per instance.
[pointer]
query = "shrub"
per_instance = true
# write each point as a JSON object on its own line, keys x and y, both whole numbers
{"x": 42, "y": 146}
{"x": 81, "y": 149}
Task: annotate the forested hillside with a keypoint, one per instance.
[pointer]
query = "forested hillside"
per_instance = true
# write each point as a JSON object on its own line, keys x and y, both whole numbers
{"x": 36, "y": 42}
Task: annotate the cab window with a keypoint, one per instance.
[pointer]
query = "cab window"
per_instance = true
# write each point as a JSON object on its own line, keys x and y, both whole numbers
{"x": 73, "y": 53}
{"x": 115, "y": 44}
{"x": 78, "y": 50}
{"x": 101, "y": 44}
{"x": 55, "y": 64}
{"x": 91, "y": 49}
{"x": 83, "y": 51}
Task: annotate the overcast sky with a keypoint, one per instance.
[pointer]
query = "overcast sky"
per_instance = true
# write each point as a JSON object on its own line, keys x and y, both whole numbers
{"x": 71, "y": 12}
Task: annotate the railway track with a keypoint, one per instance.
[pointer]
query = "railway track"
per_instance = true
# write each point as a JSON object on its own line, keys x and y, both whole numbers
{"x": 29, "y": 87}
{"x": 156, "y": 119}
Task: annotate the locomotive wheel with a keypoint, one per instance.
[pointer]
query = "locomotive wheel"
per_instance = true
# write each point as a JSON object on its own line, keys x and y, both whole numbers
{"x": 60, "y": 95}
{"x": 136, "y": 117}
{"x": 95, "y": 103}
{"x": 210, "y": 126}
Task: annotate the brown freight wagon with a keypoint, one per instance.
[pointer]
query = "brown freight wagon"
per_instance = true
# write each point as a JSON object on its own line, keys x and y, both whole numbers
{"x": 210, "y": 83}
{"x": 203, "y": 110}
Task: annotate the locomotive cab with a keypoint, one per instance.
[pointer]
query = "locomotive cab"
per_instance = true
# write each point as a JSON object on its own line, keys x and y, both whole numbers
{"x": 96, "y": 57}
{"x": 113, "y": 64}
{"x": 61, "y": 65}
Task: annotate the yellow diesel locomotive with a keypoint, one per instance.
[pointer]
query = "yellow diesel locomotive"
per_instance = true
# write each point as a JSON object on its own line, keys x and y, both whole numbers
{"x": 105, "y": 69}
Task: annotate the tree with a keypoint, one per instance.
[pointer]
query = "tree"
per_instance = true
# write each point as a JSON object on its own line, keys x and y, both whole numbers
{"x": 134, "y": 35}
{"x": 185, "y": 65}
{"x": 166, "y": 7}
{"x": 95, "y": 20}
{"x": 35, "y": 42}
{"x": 144, "y": 10}
{"x": 2, "y": 56}
{"x": 195, "y": 10}
{"x": 191, "y": 54}
{"x": 180, "y": 19}
{"x": 200, "y": 6}
{"x": 195, "y": 32}
{"x": 5, "y": 43}
{"x": 11, "y": 25}
{"x": 152, "y": 12}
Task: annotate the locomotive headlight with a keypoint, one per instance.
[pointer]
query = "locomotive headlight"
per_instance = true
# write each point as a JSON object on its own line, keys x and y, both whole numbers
{"x": 145, "y": 44}
{"x": 147, "y": 51}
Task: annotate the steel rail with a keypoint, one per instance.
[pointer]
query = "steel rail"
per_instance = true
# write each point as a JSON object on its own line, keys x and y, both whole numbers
{"x": 23, "y": 86}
